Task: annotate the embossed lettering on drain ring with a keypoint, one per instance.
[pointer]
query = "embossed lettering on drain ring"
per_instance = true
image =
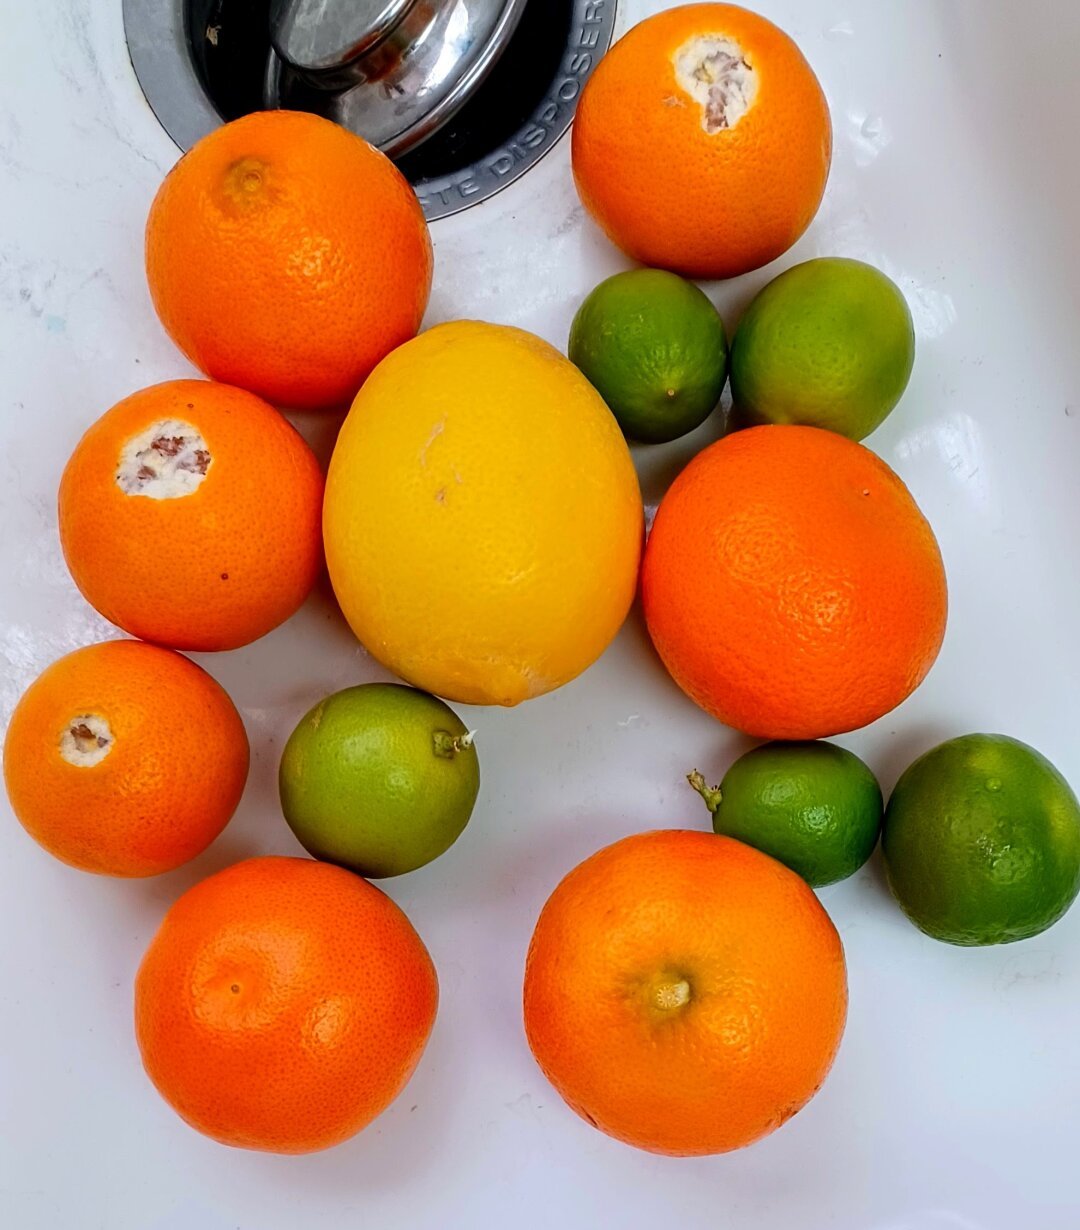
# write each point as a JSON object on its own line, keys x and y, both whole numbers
{"x": 590, "y": 36}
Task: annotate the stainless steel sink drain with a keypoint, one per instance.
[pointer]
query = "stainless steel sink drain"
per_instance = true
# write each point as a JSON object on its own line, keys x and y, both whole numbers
{"x": 465, "y": 95}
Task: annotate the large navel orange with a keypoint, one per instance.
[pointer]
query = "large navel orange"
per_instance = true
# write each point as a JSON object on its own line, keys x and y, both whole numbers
{"x": 125, "y": 759}
{"x": 684, "y": 992}
{"x": 189, "y": 515}
{"x": 791, "y": 585}
{"x": 483, "y": 521}
{"x": 702, "y": 141}
{"x": 283, "y": 1004}
{"x": 287, "y": 256}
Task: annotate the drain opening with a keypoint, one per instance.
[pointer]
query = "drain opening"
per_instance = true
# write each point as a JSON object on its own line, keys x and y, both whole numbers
{"x": 217, "y": 52}
{"x": 229, "y": 42}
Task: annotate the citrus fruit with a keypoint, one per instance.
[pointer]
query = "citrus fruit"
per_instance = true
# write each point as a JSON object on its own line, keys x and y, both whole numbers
{"x": 684, "y": 992}
{"x": 283, "y": 1004}
{"x": 814, "y": 806}
{"x": 654, "y": 348}
{"x": 483, "y": 521}
{"x": 287, "y": 256}
{"x": 189, "y": 516}
{"x": 829, "y": 343}
{"x": 125, "y": 759}
{"x": 791, "y": 586}
{"x": 982, "y": 841}
{"x": 379, "y": 778}
{"x": 702, "y": 141}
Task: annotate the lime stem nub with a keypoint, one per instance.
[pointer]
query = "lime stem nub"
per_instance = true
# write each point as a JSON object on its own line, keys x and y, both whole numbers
{"x": 447, "y": 745}
{"x": 712, "y": 795}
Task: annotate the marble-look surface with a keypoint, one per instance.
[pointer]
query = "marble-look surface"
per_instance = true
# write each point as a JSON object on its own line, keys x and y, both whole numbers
{"x": 954, "y": 1103}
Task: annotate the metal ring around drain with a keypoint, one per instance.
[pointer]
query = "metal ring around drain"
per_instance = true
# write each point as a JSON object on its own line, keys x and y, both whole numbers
{"x": 160, "y": 49}
{"x": 158, "y": 43}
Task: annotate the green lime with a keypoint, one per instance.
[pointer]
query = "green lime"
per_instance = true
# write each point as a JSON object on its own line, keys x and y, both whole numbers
{"x": 654, "y": 348}
{"x": 379, "y": 778}
{"x": 813, "y": 806}
{"x": 982, "y": 841}
{"x": 829, "y": 344}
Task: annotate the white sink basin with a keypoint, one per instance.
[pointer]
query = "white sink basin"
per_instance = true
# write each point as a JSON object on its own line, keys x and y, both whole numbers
{"x": 954, "y": 1104}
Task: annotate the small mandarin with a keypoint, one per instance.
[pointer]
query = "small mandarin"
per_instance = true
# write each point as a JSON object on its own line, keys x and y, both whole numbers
{"x": 283, "y": 1004}
{"x": 684, "y": 992}
{"x": 702, "y": 141}
{"x": 189, "y": 516}
{"x": 791, "y": 585}
{"x": 288, "y": 256}
{"x": 125, "y": 759}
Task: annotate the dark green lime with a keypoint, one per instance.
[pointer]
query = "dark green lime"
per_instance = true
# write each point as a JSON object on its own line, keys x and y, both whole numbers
{"x": 654, "y": 347}
{"x": 813, "y": 806}
{"x": 982, "y": 841}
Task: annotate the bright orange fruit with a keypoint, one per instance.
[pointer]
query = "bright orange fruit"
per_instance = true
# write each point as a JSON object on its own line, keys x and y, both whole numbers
{"x": 684, "y": 992}
{"x": 288, "y": 256}
{"x": 791, "y": 585}
{"x": 125, "y": 759}
{"x": 702, "y": 141}
{"x": 283, "y": 1004}
{"x": 190, "y": 516}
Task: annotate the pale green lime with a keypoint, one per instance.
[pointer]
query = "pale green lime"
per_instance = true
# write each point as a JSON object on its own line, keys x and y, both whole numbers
{"x": 379, "y": 778}
{"x": 829, "y": 343}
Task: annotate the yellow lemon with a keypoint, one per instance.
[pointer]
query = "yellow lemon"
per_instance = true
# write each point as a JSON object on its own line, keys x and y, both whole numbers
{"x": 483, "y": 521}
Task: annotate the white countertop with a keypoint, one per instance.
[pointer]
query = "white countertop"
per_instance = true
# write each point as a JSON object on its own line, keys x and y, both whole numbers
{"x": 955, "y": 1101}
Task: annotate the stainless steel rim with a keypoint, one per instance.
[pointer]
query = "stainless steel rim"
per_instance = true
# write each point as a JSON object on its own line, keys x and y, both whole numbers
{"x": 158, "y": 44}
